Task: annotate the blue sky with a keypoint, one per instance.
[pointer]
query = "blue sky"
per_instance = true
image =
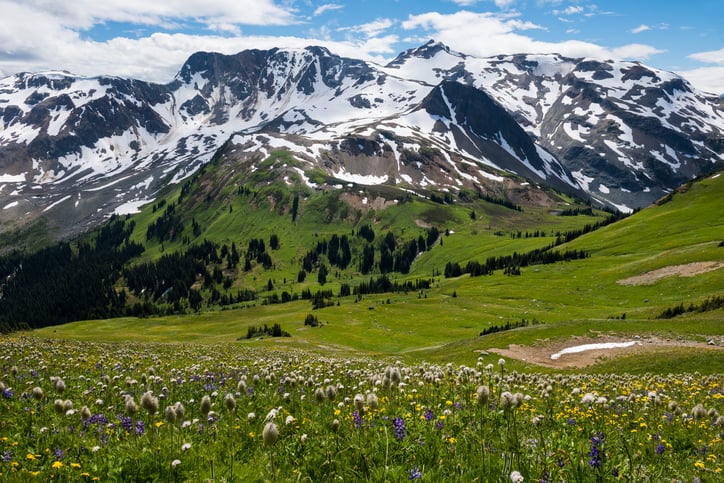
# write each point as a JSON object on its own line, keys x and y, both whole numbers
{"x": 150, "y": 39}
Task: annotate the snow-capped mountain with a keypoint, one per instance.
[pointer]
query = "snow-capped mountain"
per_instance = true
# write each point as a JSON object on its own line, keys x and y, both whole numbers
{"x": 76, "y": 149}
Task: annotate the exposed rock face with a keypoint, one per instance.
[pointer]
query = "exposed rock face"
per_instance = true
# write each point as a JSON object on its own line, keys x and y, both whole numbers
{"x": 76, "y": 149}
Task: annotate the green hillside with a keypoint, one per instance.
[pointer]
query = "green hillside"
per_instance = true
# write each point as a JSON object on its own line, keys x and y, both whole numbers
{"x": 426, "y": 315}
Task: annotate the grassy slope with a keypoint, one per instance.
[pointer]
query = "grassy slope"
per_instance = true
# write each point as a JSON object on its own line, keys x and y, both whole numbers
{"x": 576, "y": 298}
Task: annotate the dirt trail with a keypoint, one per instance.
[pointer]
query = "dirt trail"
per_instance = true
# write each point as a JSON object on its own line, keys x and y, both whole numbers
{"x": 541, "y": 354}
{"x": 687, "y": 270}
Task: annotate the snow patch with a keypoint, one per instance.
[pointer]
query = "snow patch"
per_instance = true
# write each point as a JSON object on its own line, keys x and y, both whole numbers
{"x": 592, "y": 347}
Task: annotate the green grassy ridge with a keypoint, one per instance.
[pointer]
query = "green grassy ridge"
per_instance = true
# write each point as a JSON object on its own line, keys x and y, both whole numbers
{"x": 570, "y": 299}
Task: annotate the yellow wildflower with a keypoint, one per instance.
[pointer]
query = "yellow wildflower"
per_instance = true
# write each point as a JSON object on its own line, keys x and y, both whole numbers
{"x": 159, "y": 424}
{"x": 75, "y": 465}
{"x": 699, "y": 464}
{"x": 57, "y": 465}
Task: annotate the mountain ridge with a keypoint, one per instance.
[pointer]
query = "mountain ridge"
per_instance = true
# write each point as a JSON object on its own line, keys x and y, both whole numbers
{"x": 74, "y": 150}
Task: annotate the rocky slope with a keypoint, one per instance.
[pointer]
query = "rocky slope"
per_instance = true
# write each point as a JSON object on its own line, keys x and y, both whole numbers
{"x": 73, "y": 150}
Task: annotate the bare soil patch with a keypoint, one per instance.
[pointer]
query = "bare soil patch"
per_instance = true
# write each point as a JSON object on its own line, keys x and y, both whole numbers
{"x": 540, "y": 354}
{"x": 686, "y": 270}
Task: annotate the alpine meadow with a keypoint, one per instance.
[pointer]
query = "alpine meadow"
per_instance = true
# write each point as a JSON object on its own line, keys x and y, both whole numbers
{"x": 287, "y": 265}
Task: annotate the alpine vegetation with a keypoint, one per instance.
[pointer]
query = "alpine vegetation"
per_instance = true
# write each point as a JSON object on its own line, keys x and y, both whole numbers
{"x": 342, "y": 419}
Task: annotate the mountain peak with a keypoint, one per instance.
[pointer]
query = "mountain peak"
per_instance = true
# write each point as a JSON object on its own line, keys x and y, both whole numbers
{"x": 428, "y": 50}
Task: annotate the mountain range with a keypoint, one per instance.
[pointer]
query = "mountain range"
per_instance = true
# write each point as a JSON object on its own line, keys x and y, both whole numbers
{"x": 74, "y": 150}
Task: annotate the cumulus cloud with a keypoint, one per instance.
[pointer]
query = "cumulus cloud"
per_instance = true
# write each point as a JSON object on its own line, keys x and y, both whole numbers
{"x": 710, "y": 57}
{"x": 708, "y": 79}
{"x": 487, "y": 34}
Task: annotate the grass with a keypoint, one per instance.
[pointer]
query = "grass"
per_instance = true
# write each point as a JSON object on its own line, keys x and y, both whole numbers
{"x": 443, "y": 323}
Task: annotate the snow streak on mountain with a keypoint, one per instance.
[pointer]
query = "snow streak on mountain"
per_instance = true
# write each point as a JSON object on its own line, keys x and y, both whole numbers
{"x": 77, "y": 149}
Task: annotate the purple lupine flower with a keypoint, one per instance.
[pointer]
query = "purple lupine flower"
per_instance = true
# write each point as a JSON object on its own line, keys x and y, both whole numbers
{"x": 126, "y": 422}
{"x": 7, "y": 456}
{"x": 58, "y": 454}
{"x": 399, "y": 425}
{"x": 597, "y": 456}
{"x": 429, "y": 416}
{"x": 439, "y": 425}
{"x": 8, "y": 393}
{"x": 139, "y": 428}
{"x": 415, "y": 474}
{"x": 561, "y": 463}
{"x": 545, "y": 477}
{"x": 614, "y": 472}
{"x": 660, "y": 448}
{"x": 357, "y": 419}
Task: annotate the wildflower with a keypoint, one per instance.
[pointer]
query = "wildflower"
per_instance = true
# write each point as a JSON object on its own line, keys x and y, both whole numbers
{"x": 698, "y": 412}
{"x": 75, "y": 465}
{"x": 506, "y": 400}
{"x": 319, "y": 395}
{"x": 175, "y": 463}
{"x": 270, "y": 434}
{"x": 58, "y": 406}
{"x": 205, "y": 405}
{"x": 57, "y": 465}
{"x": 660, "y": 448}
{"x": 59, "y": 385}
{"x": 483, "y": 395}
{"x": 335, "y": 425}
{"x": 372, "y": 401}
{"x": 597, "y": 456}
{"x": 303, "y": 438}
{"x": 170, "y": 414}
{"x": 429, "y": 415}
{"x": 359, "y": 402}
{"x": 399, "y": 425}
{"x": 85, "y": 413}
{"x": 180, "y": 410}
{"x": 516, "y": 477}
{"x": 185, "y": 446}
{"x": 37, "y": 393}
{"x": 229, "y": 401}
{"x": 289, "y": 420}
{"x": 149, "y": 402}
{"x": 7, "y": 393}
{"x": 131, "y": 407}
{"x": 415, "y": 474}
{"x": 331, "y": 392}
{"x": 251, "y": 417}
{"x": 140, "y": 429}
{"x": 357, "y": 419}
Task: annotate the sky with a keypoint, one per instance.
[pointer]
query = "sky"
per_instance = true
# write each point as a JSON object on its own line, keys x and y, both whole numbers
{"x": 151, "y": 39}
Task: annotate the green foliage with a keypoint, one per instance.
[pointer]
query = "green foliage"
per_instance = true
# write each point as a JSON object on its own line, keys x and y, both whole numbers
{"x": 234, "y": 413}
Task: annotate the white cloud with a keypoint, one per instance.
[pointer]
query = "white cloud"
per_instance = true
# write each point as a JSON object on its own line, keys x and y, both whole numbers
{"x": 710, "y": 57}
{"x": 326, "y": 8}
{"x": 466, "y": 3}
{"x": 487, "y": 34}
{"x": 709, "y": 79}
{"x": 571, "y": 10}
{"x": 635, "y": 51}
{"x": 504, "y": 3}
{"x": 640, "y": 28}
{"x": 371, "y": 29}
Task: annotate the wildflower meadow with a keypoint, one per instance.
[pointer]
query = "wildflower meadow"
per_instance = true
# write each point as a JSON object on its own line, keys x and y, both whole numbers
{"x": 72, "y": 411}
